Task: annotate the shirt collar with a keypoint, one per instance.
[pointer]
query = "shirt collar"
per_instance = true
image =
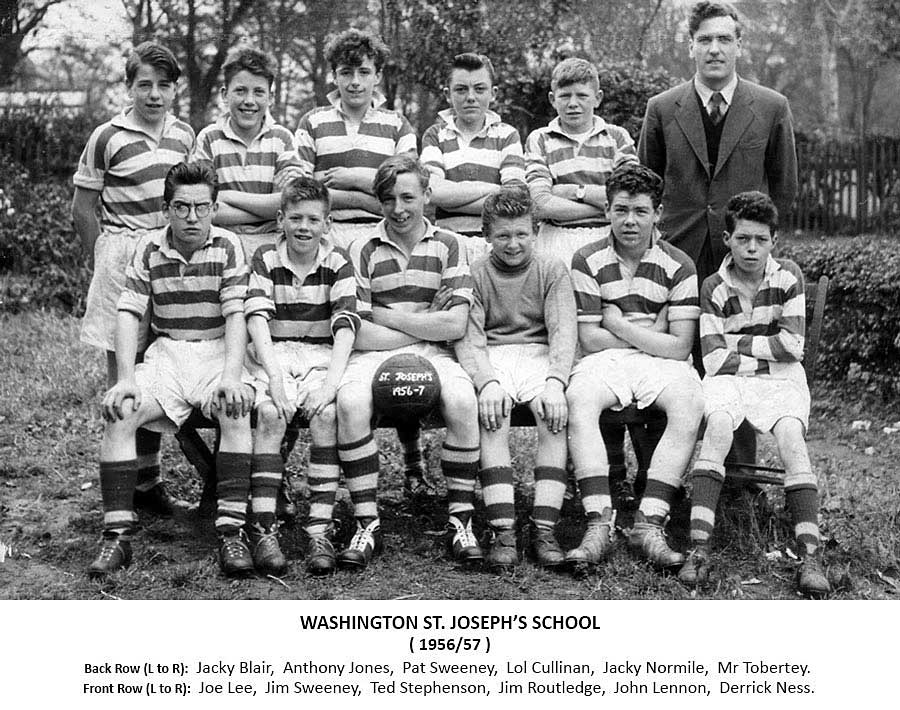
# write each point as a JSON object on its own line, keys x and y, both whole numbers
{"x": 281, "y": 247}
{"x": 168, "y": 248}
{"x": 126, "y": 120}
{"x": 224, "y": 123}
{"x": 706, "y": 93}
{"x": 449, "y": 117}
{"x": 726, "y": 269}
{"x": 598, "y": 127}
{"x": 378, "y": 100}
{"x": 383, "y": 236}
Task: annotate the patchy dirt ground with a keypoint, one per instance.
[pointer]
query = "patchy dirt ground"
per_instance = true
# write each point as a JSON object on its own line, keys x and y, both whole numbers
{"x": 50, "y": 508}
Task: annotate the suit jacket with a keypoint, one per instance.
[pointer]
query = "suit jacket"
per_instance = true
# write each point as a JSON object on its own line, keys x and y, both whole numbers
{"x": 756, "y": 153}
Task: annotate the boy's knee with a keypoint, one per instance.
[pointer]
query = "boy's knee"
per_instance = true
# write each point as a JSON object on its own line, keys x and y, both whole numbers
{"x": 325, "y": 422}
{"x": 459, "y": 403}
{"x": 354, "y": 404}
{"x": 268, "y": 423}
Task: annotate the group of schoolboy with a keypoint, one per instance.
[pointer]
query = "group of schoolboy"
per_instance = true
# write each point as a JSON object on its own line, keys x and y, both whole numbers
{"x": 316, "y": 246}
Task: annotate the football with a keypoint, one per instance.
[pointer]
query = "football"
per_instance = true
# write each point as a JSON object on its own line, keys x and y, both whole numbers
{"x": 406, "y": 386}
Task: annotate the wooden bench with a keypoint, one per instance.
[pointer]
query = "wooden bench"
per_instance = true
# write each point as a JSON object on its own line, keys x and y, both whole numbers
{"x": 203, "y": 459}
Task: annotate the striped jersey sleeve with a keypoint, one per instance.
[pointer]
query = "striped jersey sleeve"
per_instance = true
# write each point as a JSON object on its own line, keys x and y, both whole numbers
{"x": 311, "y": 312}
{"x": 735, "y": 341}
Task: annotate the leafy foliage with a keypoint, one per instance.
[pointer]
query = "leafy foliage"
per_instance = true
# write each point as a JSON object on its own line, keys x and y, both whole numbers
{"x": 43, "y": 138}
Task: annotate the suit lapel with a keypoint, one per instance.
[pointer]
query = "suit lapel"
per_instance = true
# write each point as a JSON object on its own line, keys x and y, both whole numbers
{"x": 687, "y": 115}
{"x": 740, "y": 116}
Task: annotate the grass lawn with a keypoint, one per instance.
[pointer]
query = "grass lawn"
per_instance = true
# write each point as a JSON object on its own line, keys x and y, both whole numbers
{"x": 51, "y": 511}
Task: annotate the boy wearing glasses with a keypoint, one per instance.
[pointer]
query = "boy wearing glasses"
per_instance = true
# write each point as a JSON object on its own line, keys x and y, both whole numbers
{"x": 193, "y": 278}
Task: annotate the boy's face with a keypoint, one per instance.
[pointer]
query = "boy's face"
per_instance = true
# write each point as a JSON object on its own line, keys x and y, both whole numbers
{"x": 512, "y": 239}
{"x": 715, "y": 48}
{"x": 247, "y": 96}
{"x": 575, "y": 104}
{"x": 190, "y": 215}
{"x": 404, "y": 206}
{"x": 470, "y": 94}
{"x": 632, "y": 219}
{"x": 304, "y": 224}
{"x": 357, "y": 83}
{"x": 750, "y": 245}
{"x": 152, "y": 93}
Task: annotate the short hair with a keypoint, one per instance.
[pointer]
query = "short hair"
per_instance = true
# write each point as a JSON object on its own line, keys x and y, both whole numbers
{"x": 157, "y": 56}
{"x": 469, "y": 61}
{"x": 352, "y": 47}
{"x": 198, "y": 172}
{"x": 572, "y": 71}
{"x": 635, "y": 179}
{"x": 753, "y": 206}
{"x": 305, "y": 189}
{"x": 509, "y": 202}
{"x": 248, "y": 59}
{"x": 386, "y": 175}
{"x": 706, "y": 10}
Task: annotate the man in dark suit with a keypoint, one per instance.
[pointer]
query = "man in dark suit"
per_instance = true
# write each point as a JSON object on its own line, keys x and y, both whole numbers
{"x": 710, "y": 138}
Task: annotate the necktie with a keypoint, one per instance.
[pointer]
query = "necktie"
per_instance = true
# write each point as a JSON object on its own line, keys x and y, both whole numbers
{"x": 716, "y": 102}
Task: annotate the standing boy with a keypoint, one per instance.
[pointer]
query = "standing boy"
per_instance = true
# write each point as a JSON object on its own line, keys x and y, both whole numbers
{"x": 301, "y": 314}
{"x": 470, "y": 152}
{"x": 194, "y": 277}
{"x": 121, "y": 170}
{"x": 752, "y": 324}
{"x": 253, "y": 156}
{"x": 399, "y": 272}
{"x": 518, "y": 348}
{"x": 637, "y": 312}
{"x": 343, "y": 144}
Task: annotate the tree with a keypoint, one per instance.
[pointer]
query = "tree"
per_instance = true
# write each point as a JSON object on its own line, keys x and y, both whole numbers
{"x": 18, "y": 19}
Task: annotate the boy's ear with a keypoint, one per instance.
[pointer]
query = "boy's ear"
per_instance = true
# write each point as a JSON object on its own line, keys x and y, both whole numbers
{"x": 550, "y": 96}
{"x": 446, "y": 92}
{"x": 726, "y": 236}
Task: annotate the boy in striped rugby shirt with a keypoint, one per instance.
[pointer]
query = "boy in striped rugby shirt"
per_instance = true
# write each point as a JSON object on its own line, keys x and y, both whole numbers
{"x": 301, "y": 315}
{"x": 406, "y": 273}
{"x": 343, "y": 144}
{"x": 253, "y": 155}
{"x": 121, "y": 170}
{"x": 637, "y": 313}
{"x": 519, "y": 346}
{"x": 195, "y": 278}
{"x": 470, "y": 152}
{"x": 752, "y": 326}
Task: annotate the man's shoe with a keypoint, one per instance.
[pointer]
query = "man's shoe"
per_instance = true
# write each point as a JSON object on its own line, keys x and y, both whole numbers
{"x": 320, "y": 557}
{"x": 461, "y": 541}
{"x": 234, "y": 554}
{"x": 649, "y": 539}
{"x": 695, "y": 572}
{"x": 366, "y": 543}
{"x": 545, "y": 547}
{"x": 114, "y": 554}
{"x": 155, "y": 500}
{"x": 267, "y": 555}
{"x": 503, "y": 553}
{"x": 811, "y": 579}
{"x": 597, "y": 540}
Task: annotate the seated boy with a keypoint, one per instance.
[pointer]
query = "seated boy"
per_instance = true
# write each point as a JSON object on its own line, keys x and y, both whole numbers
{"x": 301, "y": 315}
{"x": 752, "y": 325}
{"x": 121, "y": 170}
{"x": 470, "y": 152}
{"x": 519, "y": 347}
{"x": 405, "y": 267}
{"x": 194, "y": 277}
{"x": 253, "y": 156}
{"x": 637, "y": 311}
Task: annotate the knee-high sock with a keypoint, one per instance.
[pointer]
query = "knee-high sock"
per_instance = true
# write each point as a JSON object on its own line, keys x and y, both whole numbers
{"x": 549, "y": 489}
{"x": 147, "y": 444}
{"x": 233, "y": 471}
{"x": 460, "y": 468}
{"x": 801, "y": 495}
{"x": 593, "y": 483}
{"x": 499, "y": 496}
{"x": 707, "y": 479}
{"x": 266, "y": 471}
{"x": 117, "y": 481}
{"x": 359, "y": 460}
{"x": 324, "y": 472}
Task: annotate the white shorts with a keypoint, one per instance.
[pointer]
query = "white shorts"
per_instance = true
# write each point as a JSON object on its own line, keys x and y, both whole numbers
{"x": 563, "y": 242}
{"x": 343, "y": 234}
{"x": 181, "y": 375}
{"x": 761, "y": 400}
{"x": 521, "y": 368}
{"x": 113, "y": 252}
{"x": 303, "y": 366}
{"x": 363, "y": 364}
{"x": 252, "y": 242}
{"x": 633, "y": 376}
